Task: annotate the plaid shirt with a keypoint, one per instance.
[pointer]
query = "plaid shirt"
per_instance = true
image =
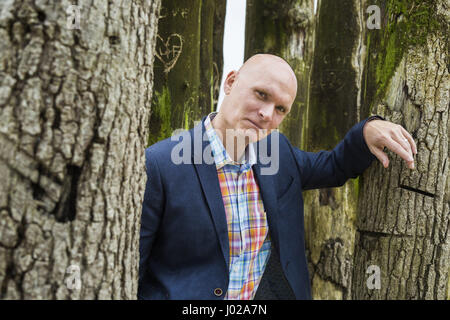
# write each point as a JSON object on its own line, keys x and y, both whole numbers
{"x": 248, "y": 234}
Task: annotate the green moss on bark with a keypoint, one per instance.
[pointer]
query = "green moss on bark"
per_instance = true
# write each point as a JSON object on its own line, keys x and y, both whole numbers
{"x": 405, "y": 24}
{"x": 356, "y": 187}
{"x": 161, "y": 116}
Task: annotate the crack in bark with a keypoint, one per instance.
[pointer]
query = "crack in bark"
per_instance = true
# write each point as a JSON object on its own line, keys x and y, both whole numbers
{"x": 65, "y": 209}
{"x": 428, "y": 194}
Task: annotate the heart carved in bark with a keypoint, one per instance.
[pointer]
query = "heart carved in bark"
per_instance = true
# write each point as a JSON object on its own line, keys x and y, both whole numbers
{"x": 169, "y": 51}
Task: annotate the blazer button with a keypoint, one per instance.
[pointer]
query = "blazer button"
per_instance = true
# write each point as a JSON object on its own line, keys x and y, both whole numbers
{"x": 218, "y": 292}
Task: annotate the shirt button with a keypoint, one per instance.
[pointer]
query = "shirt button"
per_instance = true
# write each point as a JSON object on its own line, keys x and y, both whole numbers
{"x": 218, "y": 292}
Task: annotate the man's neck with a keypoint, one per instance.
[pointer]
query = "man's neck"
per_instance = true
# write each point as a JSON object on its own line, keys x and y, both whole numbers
{"x": 234, "y": 145}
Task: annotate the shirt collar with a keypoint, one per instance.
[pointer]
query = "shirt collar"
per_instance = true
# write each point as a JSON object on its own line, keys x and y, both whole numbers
{"x": 221, "y": 156}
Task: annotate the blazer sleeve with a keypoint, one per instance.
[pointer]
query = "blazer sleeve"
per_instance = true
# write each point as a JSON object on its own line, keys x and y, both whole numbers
{"x": 152, "y": 209}
{"x": 333, "y": 168}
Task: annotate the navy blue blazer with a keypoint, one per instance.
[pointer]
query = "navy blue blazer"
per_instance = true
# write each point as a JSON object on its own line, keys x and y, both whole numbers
{"x": 184, "y": 250}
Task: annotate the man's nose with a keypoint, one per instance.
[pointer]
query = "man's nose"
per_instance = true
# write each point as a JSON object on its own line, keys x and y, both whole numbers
{"x": 266, "y": 112}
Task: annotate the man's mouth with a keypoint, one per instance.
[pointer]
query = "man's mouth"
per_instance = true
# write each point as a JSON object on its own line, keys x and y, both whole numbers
{"x": 254, "y": 124}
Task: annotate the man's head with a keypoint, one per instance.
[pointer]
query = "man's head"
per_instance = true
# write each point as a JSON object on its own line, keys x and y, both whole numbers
{"x": 258, "y": 96}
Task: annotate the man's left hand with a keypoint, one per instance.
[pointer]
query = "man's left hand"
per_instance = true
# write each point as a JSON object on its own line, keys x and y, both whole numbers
{"x": 380, "y": 133}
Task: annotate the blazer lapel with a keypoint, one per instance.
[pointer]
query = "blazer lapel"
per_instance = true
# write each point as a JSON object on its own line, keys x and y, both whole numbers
{"x": 266, "y": 185}
{"x": 207, "y": 174}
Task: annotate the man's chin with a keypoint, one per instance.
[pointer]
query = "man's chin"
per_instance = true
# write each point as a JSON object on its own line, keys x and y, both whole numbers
{"x": 249, "y": 135}
{"x": 256, "y": 135}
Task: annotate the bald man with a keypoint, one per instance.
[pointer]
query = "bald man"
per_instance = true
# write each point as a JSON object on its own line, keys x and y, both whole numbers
{"x": 222, "y": 215}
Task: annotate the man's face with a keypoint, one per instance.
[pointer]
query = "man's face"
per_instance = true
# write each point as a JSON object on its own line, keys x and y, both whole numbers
{"x": 260, "y": 96}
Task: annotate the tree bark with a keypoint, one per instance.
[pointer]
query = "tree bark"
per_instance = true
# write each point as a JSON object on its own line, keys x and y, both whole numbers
{"x": 213, "y": 27}
{"x": 188, "y": 65}
{"x": 403, "y": 217}
{"x": 75, "y": 93}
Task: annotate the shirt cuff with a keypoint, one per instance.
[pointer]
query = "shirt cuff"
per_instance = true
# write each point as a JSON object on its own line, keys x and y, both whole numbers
{"x": 375, "y": 117}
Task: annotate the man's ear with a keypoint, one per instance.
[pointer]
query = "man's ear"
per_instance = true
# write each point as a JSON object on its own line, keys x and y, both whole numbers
{"x": 229, "y": 80}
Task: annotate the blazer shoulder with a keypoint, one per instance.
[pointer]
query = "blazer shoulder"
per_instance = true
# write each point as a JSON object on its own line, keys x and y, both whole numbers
{"x": 162, "y": 149}
{"x": 284, "y": 139}
{"x": 284, "y": 143}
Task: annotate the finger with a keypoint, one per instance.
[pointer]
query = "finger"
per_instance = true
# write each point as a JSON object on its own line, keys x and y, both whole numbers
{"x": 410, "y": 140}
{"x": 398, "y": 149}
{"x": 401, "y": 140}
{"x": 381, "y": 156}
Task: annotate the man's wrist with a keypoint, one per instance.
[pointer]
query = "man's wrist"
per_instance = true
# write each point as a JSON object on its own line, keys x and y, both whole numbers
{"x": 374, "y": 117}
{"x": 364, "y": 133}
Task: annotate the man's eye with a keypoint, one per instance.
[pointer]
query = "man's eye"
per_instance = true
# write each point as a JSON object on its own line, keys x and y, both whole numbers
{"x": 282, "y": 109}
{"x": 262, "y": 94}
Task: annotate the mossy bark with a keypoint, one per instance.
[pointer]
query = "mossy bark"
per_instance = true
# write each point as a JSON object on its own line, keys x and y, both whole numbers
{"x": 188, "y": 64}
{"x": 74, "y": 108}
{"x": 403, "y": 217}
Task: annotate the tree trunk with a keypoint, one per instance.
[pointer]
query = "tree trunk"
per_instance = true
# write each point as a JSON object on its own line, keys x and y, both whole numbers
{"x": 188, "y": 65}
{"x": 286, "y": 29}
{"x": 334, "y": 107}
{"x": 75, "y": 93}
{"x": 403, "y": 217}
